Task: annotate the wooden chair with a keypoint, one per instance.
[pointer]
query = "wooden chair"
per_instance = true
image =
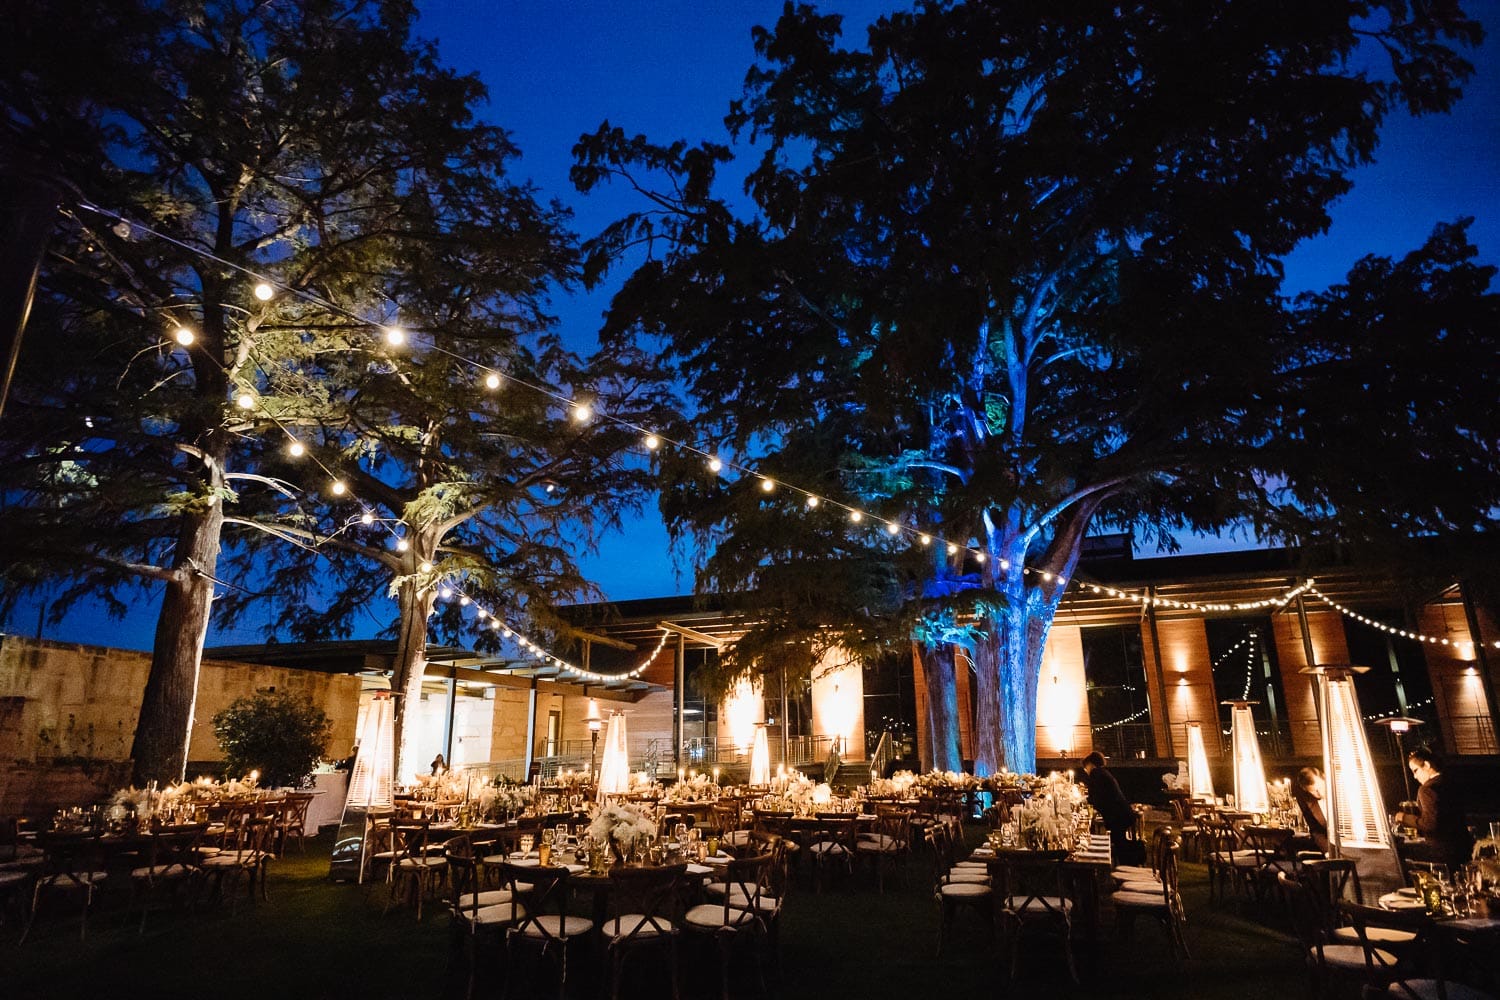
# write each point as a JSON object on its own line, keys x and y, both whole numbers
{"x": 73, "y": 865}
{"x": 645, "y": 907}
{"x": 1327, "y": 962}
{"x": 1032, "y": 890}
{"x": 172, "y": 866}
{"x": 476, "y": 912}
{"x": 737, "y": 917}
{"x": 833, "y": 845}
{"x": 413, "y": 867}
{"x": 953, "y": 892}
{"x": 888, "y": 844}
{"x": 1164, "y": 903}
{"x": 545, "y": 924}
{"x": 246, "y": 855}
{"x": 294, "y": 821}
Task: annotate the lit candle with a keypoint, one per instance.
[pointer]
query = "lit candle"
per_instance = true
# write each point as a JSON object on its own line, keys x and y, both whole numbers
{"x": 716, "y": 775}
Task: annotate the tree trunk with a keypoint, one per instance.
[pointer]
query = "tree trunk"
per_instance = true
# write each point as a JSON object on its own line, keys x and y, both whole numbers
{"x": 415, "y": 602}
{"x": 940, "y": 682}
{"x": 165, "y": 725}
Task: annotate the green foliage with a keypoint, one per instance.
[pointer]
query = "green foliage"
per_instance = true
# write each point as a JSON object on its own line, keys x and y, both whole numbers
{"x": 279, "y": 734}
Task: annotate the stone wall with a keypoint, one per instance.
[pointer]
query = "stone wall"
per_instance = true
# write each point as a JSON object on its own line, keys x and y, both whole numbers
{"x": 66, "y": 709}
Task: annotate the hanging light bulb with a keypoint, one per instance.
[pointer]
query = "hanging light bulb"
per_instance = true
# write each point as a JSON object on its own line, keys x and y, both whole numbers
{"x": 395, "y": 336}
{"x": 402, "y": 545}
{"x": 856, "y": 516}
{"x": 337, "y": 488}
{"x": 445, "y": 592}
{"x": 813, "y": 501}
{"x": 892, "y": 528}
{"x": 492, "y": 381}
{"x": 767, "y": 485}
{"x": 296, "y": 449}
{"x": 582, "y": 412}
{"x": 481, "y": 614}
{"x": 463, "y": 601}
{"x": 245, "y": 401}
{"x": 952, "y": 549}
{"x": 652, "y": 442}
{"x": 368, "y": 517}
{"x": 979, "y": 558}
{"x": 183, "y": 336}
{"x": 714, "y": 465}
{"x": 925, "y": 539}
{"x": 426, "y": 566}
{"x": 264, "y": 292}
{"x": 495, "y": 623}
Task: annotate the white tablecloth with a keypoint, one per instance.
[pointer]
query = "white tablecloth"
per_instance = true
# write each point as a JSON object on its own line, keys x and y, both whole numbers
{"x": 327, "y": 806}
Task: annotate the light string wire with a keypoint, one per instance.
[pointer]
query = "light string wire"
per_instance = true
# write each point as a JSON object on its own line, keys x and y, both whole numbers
{"x": 1391, "y": 629}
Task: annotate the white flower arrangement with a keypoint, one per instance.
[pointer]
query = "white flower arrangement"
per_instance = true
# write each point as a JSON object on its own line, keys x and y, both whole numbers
{"x": 621, "y": 825}
{"x": 137, "y": 800}
{"x": 898, "y": 785}
{"x": 699, "y": 788}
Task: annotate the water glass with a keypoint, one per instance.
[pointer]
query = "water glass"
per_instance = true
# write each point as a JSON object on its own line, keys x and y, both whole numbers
{"x": 680, "y": 833}
{"x": 527, "y": 840}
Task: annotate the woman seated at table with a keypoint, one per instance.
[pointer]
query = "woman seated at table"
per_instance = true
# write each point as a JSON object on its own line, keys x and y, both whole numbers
{"x": 1309, "y": 791}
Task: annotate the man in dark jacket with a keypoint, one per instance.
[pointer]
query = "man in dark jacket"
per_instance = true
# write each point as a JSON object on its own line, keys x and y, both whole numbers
{"x": 1112, "y": 806}
{"x": 1440, "y": 814}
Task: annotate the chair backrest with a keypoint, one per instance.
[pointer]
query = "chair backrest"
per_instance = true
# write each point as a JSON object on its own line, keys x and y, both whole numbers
{"x": 645, "y": 901}
{"x": 295, "y": 815}
{"x": 837, "y": 828}
{"x": 1378, "y": 959}
{"x": 1331, "y": 881}
{"x": 71, "y": 856}
{"x": 463, "y": 875}
{"x": 174, "y": 845}
{"x": 727, "y": 818}
{"x": 409, "y": 840}
{"x": 1306, "y": 918}
{"x": 1032, "y": 884}
{"x": 1165, "y": 845}
{"x": 545, "y": 893}
{"x": 744, "y": 882}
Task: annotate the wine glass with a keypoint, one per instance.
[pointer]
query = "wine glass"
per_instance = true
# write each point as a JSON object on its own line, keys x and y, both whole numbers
{"x": 527, "y": 840}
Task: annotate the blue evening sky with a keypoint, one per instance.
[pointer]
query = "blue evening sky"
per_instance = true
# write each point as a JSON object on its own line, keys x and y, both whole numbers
{"x": 668, "y": 69}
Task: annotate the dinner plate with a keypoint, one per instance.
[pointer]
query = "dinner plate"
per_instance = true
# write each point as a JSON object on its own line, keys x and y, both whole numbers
{"x": 1401, "y": 903}
{"x": 693, "y": 869}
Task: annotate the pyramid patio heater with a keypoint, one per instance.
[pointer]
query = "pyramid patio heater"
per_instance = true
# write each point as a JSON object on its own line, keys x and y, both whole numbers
{"x": 371, "y": 782}
{"x": 760, "y": 759}
{"x": 1250, "y": 792}
{"x": 1200, "y": 781}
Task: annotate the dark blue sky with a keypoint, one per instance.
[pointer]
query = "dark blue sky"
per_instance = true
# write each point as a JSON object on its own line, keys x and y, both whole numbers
{"x": 555, "y": 70}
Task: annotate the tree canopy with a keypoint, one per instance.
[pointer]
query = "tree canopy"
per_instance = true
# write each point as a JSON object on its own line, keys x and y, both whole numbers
{"x": 1012, "y": 272}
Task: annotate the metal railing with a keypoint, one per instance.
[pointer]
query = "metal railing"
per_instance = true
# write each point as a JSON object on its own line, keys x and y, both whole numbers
{"x": 885, "y": 752}
{"x": 707, "y": 751}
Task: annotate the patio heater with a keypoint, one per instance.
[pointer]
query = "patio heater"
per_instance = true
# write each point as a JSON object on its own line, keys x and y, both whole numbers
{"x": 370, "y": 788}
{"x": 614, "y": 772}
{"x": 1200, "y": 781}
{"x": 595, "y": 723}
{"x": 1250, "y": 792}
{"x": 1399, "y": 726}
{"x": 1356, "y": 812}
{"x": 760, "y": 758}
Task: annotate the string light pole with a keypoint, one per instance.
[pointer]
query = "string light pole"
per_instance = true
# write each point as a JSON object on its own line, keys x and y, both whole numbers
{"x": 595, "y": 723}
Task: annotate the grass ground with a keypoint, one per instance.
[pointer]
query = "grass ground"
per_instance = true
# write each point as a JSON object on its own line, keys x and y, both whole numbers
{"x": 316, "y": 939}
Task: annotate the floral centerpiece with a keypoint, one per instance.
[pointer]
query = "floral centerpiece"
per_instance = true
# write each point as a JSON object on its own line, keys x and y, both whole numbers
{"x": 898, "y": 785}
{"x": 574, "y": 782}
{"x": 947, "y": 781}
{"x": 504, "y": 798}
{"x": 622, "y": 827}
{"x": 1045, "y": 821}
{"x": 699, "y": 788}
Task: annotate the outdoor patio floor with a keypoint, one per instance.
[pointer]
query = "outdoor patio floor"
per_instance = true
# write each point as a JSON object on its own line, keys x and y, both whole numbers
{"x": 318, "y": 939}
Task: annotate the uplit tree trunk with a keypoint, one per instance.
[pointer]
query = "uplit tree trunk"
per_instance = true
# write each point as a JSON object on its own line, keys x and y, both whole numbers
{"x": 415, "y": 600}
{"x": 164, "y": 728}
{"x": 940, "y": 682}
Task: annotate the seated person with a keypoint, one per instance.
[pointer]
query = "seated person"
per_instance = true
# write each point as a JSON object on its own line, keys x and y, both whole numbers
{"x": 1439, "y": 817}
{"x": 1309, "y": 791}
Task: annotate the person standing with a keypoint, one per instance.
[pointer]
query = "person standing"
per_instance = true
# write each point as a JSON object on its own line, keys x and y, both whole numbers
{"x": 1112, "y": 806}
{"x": 1310, "y": 790}
{"x": 438, "y": 765}
{"x": 1439, "y": 816}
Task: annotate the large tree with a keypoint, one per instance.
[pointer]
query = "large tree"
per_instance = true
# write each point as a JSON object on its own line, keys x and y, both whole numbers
{"x": 318, "y": 143}
{"x": 1012, "y": 270}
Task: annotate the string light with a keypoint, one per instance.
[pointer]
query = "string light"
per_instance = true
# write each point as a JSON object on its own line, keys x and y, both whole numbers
{"x": 395, "y": 336}
{"x": 1149, "y": 600}
{"x": 715, "y": 465}
{"x": 425, "y": 567}
{"x": 1120, "y": 722}
{"x": 812, "y": 502}
{"x": 1382, "y": 626}
{"x": 246, "y": 401}
{"x": 892, "y": 527}
{"x": 767, "y": 486}
{"x": 652, "y": 442}
{"x": 402, "y": 545}
{"x": 296, "y": 449}
{"x": 492, "y": 381}
{"x": 856, "y": 516}
{"x": 183, "y": 336}
{"x": 925, "y": 539}
{"x": 1396, "y": 713}
{"x": 264, "y": 291}
{"x": 582, "y": 412}
{"x": 368, "y": 517}
{"x": 337, "y": 488}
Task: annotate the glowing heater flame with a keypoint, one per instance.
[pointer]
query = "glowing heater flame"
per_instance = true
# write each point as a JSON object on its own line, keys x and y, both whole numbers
{"x": 1200, "y": 782}
{"x": 1250, "y": 792}
{"x": 760, "y": 759}
{"x": 375, "y": 764}
{"x": 614, "y": 770}
{"x": 1359, "y": 809}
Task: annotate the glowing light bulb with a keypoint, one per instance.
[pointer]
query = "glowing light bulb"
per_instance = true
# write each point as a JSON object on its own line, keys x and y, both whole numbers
{"x": 264, "y": 292}
{"x": 766, "y": 486}
{"x": 395, "y": 336}
{"x": 337, "y": 488}
{"x": 952, "y": 549}
{"x": 368, "y": 517}
{"x": 296, "y": 449}
{"x": 714, "y": 465}
{"x": 426, "y": 566}
{"x": 445, "y": 592}
{"x": 494, "y": 623}
{"x": 813, "y": 501}
{"x": 856, "y": 516}
{"x": 183, "y": 336}
{"x": 245, "y": 401}
{"x": 925, "y": 539}
{"x": 979, "y": 558}
{"x": 492, "y": 381}
{"x": 481, "y": 614}
{"x": 402, "y": 545}
{"x": 892, "y": 527}
{"x": 652, "y": 442}
{"x": 463, "y": 601}
{"x": 1005, "y": 564}
{"x": 582, "y": 412}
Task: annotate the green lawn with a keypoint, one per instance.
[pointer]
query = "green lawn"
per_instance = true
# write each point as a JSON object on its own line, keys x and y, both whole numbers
{"x": 317, "y": 939}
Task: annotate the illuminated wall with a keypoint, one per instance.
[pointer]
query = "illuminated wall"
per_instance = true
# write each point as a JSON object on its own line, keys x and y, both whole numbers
{"x": 838, "y": 703}
{"x": 739, "y": 715}
{"x": 1329, "y": 646}
{"x": 1457, "y": 688}
{"x": 1190, "y": 695}
{"x": 1062, "y": 713}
